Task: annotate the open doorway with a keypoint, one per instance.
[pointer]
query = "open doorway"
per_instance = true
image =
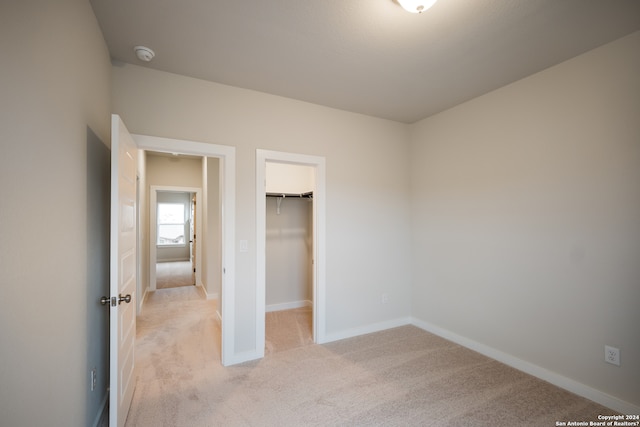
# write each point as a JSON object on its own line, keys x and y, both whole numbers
{"x": 175, "y": 227}
{"x": 315, "y": 167}
{"x": 173, "y": 242}
{"x": 225, "y": 155}
{"x": 289, "y": 256}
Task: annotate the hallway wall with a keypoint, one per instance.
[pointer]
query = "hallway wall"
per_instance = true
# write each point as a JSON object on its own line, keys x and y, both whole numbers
{"x": 211, "y": 229}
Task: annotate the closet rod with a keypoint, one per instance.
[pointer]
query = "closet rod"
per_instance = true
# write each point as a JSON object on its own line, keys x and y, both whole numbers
{"x": 308, "y": 195}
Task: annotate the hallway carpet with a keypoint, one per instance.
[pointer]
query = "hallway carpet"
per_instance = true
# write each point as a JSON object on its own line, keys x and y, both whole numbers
{"x": 399, "y": 377}
{"x": 173, "y": 274}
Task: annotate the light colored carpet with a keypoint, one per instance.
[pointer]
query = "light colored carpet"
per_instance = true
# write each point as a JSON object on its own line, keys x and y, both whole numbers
{"x": 399, "y": 377}
{"x": 287, "y": 329}
{"x": 173, "y": 274}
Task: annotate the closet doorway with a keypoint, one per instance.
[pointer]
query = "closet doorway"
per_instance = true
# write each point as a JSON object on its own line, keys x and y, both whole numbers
{"x": 288, "y": 256}
{"x": 290, "y": 239}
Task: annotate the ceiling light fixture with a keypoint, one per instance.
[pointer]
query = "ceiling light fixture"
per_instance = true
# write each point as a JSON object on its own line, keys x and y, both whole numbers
{"x": 416, "y": 6}
{"x": 144, "y": 53}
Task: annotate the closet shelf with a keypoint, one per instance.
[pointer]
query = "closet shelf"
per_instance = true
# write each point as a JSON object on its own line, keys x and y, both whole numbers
{"x": 308, "y": 195}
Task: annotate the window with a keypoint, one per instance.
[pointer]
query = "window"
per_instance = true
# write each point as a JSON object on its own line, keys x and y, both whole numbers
{"x": 171, "y": 224}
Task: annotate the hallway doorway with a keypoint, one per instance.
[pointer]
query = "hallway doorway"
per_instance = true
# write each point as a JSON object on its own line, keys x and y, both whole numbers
{"x": 172, "y": 232}
{"x": 227, "y": 194}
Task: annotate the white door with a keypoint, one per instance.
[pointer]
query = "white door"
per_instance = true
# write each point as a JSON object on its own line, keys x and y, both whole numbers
{"x": 122, "y": 333}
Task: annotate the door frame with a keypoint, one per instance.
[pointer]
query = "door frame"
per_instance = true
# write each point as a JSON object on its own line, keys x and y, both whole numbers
{"x": 227, "y": 156}
{"x": 319, "y": 239}
{"x": 153, "y": 230}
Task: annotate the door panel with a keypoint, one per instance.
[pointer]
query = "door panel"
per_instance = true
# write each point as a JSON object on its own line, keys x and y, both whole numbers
{"x": 122, "y": 321}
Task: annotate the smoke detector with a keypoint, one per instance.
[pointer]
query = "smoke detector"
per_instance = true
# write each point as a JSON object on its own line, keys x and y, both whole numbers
{"x": 144, "y": 53}
{"x": 416, "y": 6}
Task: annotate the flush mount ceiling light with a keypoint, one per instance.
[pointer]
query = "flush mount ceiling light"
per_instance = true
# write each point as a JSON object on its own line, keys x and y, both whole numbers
{"x": 144, "y": 53}
{"x": 416, "y": 6}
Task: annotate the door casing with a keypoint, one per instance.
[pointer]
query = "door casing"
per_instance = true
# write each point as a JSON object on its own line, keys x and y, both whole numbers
{"x": 227, "y": 156}
{"x": 319, "y": 221}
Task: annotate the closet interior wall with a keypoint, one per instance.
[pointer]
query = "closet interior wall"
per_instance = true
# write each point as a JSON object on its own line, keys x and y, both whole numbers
{"x": 289, "y": 253}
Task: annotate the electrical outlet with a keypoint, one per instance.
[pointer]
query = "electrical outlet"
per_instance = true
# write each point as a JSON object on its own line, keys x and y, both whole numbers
{"x": 94, "y": 379}
{"x": 612, "y": 355}
{"x": 384, "y": 298}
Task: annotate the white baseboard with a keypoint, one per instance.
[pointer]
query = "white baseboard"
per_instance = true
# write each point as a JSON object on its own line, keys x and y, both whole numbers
{"x": 208, "y": 295}
{"x": 531, "y": 369}
{"x": 245, "y": 356}
{"x": 202, "y": 291}
{"x": 368, "y": 329}
{"x": 145, "y": 294}
{"x": 288, "y": 305}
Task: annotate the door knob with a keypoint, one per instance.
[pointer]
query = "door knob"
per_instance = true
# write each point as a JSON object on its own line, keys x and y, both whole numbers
{"x": 105, "y": 300}
{"x": 126, "y": 298}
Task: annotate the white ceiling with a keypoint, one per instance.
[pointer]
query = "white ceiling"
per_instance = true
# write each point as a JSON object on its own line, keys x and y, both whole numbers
{"x": 365, "y": 56}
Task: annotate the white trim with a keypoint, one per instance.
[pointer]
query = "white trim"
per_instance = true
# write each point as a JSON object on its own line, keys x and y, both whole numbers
{"x": 143, "y": 299}
{"x": 207, "y": 295}
{"x": 368, "y": 329}
{"x": 245, "y": 356}
{"x": 319, "y": 221}
{"x": 227, "y": 156}
{"x": 531, "y": 369}
{"x": 153, "y": 229}
{"x": 203, "y": 292}
{"x": 172, "y": 245}
{"x": 288, "y": 305}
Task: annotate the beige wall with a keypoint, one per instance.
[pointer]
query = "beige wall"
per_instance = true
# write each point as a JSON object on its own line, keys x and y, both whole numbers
{"x": 367, "y": 184}
{"x": 289, "y": 252}
{"x": 55, "y": 83}
{"x": 289, "y": 236}
{"x": 526, "y": 218}
{"x": 286, "y": 178}
{"x": 211, "y": 229}
{"x": 174, "y": 171}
